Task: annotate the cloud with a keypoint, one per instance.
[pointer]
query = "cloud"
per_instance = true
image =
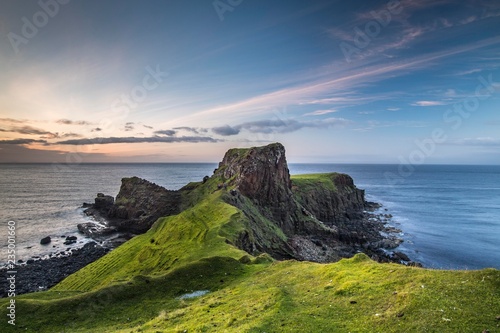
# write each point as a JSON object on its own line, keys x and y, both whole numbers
{"x": 337, "y": 80}
{"x": 20, "y": 141}
{"x": 393, "y": 109}
{"x": 191, "y": 129}
{"x": 428, "y": 103}
{"x": 160, "y": 139}
{"x": 320, "y": 112}
{"x": 28, "y": 130}
{"x": 469, "y": 19}
{"x": 226, "y": 130}
{"x": 484, "y": 142}
{"x": 10, "y": 120}
{"x": 366, "y": 112}
{"x": 278, "y": 126}
{"x": 165, "y": 132}
{"x": 150, "y": 127}
{"x": 128, "y": 127}
{"x": 73, "y": 122}
{"x": 71, "y": 135}
{"x": 97, "y": 129}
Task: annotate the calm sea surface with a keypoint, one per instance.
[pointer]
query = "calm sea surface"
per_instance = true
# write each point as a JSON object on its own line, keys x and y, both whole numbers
{"x": 450, "y": 215}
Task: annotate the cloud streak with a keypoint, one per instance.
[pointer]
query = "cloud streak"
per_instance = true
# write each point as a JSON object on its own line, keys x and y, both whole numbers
{"x": 73, "y": 122}
{"x": 279, "y": 126}
{"x": 20, "y": 141}
{"x": 154, "y": 139}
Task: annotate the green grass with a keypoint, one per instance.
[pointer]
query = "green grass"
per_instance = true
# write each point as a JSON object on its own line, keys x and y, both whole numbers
{"x": 136, "y": 287}
{"x": 310, "y": 182}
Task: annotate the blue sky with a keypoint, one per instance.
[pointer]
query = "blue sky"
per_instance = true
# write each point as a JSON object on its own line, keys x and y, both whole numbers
{"x": 182, "y": 81}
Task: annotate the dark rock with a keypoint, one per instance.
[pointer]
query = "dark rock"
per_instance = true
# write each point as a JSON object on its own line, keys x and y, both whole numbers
{"x": 401, "y": 256}
{"x": 140, "y": 203}
{"x": 233, "y": 192}
{"x": 45, "y": 240}
{"x": 400, "y": 314}
{"x": 103, "y": 201}
{"x": 71, "y": 238}
{"x": 205, "y": 179}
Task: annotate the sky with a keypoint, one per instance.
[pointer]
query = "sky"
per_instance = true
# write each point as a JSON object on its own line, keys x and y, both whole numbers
{"x": 399, "y": 82}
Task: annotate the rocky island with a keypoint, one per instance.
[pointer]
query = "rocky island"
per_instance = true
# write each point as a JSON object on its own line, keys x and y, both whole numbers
{"x": 252, "y": 249}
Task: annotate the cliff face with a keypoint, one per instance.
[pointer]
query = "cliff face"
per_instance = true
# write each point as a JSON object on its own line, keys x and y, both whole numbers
{"x": 311, "y": 217}
{"x": 137, "y": 206}
{"x": 319, "y": 217}
{"x": 140, "y": 203}
{"x": 343, "y": 203}
{"x": 261, "y": 175}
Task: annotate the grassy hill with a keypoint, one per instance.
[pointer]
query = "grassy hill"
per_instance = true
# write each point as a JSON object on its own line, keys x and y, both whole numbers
{"x": 141, "y": 286}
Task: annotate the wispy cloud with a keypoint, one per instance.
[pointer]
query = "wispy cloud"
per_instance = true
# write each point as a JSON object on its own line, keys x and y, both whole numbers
{"x": 73, "y": 122}
{"x": 11, "y": 120}
{"x": 337, "y": 81}
{"x": 428, "y": 103}
{"x": 21, "y": 141}
{"x": 157, "y": 139}
{"x": 279, "y": 126}
{"x": 28, "y": 130}
{"x": 165, "y": 132}
{"x": 481, "y": 141}
{"x": 320, "y": 112}
{"x": 195, "y": 130}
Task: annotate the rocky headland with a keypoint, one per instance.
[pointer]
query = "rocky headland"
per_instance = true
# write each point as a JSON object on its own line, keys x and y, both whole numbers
{"x": 320, "y": 218}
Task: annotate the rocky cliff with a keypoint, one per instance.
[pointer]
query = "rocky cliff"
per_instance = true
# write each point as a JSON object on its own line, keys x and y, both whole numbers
{"x": 137, "y": 206}
{"x": 311, "y": 217}
{"x": 308, "y": 217}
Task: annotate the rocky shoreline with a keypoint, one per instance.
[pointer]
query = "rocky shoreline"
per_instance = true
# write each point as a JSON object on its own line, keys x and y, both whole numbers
{"x": 39, "y": 275}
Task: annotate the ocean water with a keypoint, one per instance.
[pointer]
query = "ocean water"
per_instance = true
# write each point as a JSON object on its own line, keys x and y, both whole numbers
{"x": 449, "y": 215}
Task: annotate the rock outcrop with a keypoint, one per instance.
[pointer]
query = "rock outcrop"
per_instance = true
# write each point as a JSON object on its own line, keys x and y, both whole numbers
{"x": 319, "y": 218}
{"x": 312, "y": 217}
{"x": 137, "y": 206}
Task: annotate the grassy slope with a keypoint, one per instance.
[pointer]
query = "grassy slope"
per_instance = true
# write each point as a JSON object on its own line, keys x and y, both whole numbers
{"x": 309, "y": 182}
{"x": 135, "y": 288}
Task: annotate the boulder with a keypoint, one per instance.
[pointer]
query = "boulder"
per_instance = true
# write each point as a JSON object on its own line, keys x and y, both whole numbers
{"x": 45, "y": 240}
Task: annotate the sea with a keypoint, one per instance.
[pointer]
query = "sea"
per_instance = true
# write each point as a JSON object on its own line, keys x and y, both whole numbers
{"x": 449, "y": 215}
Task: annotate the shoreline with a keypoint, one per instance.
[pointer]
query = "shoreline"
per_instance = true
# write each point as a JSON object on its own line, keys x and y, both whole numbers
{"x": 42, "y": 274}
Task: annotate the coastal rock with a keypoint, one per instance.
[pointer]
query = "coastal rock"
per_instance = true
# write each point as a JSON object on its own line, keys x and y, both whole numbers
{"x": 45, "y": 240}
{"x": 322, "y": 219}
{"x": 137, "y": 206}
{"x": 103, "y": 201}
{"x": 140, "y": 203}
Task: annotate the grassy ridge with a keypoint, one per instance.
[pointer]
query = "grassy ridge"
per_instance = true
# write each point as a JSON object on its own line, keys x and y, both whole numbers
{"x": 136, "y": 287}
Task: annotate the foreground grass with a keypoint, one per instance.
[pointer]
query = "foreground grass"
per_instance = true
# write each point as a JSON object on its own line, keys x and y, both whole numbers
{"x": 353, "y": 295}
{"x": 137, "y": 287}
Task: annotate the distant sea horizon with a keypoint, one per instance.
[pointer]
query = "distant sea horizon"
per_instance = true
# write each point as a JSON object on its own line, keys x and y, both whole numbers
{"x": 449, "y": 213}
